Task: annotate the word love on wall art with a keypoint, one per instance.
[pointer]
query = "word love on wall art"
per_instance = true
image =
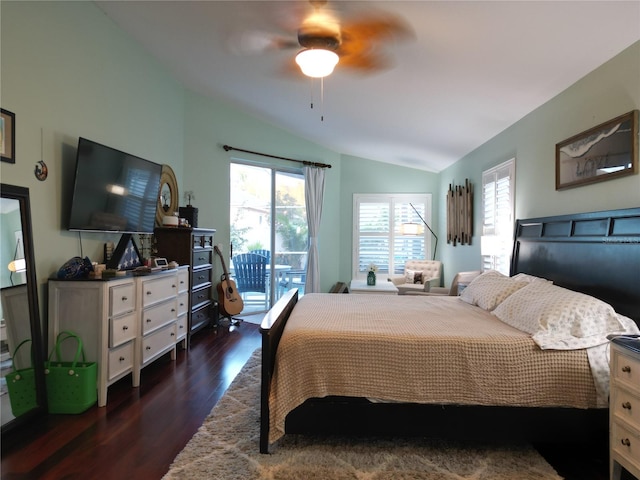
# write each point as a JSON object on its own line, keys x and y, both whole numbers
{"x": 605, "y": 152}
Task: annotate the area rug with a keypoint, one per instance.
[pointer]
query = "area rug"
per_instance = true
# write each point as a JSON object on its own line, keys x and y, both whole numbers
{"x": 226, "y": 447}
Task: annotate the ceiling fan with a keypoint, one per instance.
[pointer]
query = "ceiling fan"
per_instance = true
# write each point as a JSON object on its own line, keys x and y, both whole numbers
{"x": 355, "y": 43}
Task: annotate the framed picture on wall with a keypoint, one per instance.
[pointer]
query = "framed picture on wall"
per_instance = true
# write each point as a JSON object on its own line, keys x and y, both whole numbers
{"x": 7, "y": 136}
{"x": 605, "y": 152}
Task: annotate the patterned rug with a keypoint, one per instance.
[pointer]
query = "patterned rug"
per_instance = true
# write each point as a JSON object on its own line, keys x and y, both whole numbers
{"x": 226, "y": 447}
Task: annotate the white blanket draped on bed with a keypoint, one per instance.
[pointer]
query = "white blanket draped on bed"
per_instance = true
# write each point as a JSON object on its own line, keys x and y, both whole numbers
{"x": 418, "y": 349}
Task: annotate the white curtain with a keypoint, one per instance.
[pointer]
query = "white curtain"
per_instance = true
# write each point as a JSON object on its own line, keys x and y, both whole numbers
{"x": 313, "y": 195}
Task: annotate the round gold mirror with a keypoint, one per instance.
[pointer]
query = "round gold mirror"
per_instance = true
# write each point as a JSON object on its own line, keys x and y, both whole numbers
{"x": 168, "y": 198}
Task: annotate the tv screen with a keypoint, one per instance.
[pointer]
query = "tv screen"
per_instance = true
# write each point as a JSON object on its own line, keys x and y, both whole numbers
{"x": 113, "y": 191}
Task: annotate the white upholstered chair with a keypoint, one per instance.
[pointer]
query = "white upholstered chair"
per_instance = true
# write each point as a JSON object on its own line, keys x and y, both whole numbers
{"x": 462, "y": 279}
{"x": 418, "y": 276}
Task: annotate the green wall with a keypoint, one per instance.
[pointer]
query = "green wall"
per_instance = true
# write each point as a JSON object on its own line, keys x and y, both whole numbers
{"x": 210, "y": 124}
{"x": 611, "y": 90}
{"x": 367, "y": 176}
{"x": 68, "y": 71}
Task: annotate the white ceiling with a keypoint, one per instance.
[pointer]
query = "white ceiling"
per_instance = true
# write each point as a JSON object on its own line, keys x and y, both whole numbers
{"x": 471, "y": 68}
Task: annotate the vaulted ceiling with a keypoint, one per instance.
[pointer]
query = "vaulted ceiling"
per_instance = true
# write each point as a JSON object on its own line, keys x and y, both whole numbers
{"x": 460, "y": 72}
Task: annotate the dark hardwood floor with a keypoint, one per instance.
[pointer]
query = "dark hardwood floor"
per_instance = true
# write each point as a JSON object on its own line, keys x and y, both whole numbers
{"x": 141, "y": 430}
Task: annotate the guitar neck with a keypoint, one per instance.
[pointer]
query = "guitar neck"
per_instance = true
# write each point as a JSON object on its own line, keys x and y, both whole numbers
{"x": 224, "y": 265}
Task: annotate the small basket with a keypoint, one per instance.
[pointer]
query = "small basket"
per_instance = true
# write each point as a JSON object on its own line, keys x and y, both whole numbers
{"x": 21, "y": 384}
{"x": 71, "y": 386}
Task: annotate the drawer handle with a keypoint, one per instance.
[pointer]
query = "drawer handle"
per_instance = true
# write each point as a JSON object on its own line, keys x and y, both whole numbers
{"x": 149, "y": 293}
{"x": 125, "y": 328}
{"x": 173, "y": 310}
{"x": 182, "y": 304}
{"x": 124, "y": 299}
{"x": 181, "y": 326}
{"x": 201, "y": 277}
{"x": 201, "y": 296}
{"x": 626, "y": 369}
{"x": 626, "y": 442}
{"x": 173, "y": 334}
{"x": 181, "y": 283}
{"x": 148, "y": 348}
{"x": 626, "y": 405}
{"x": 122, "y": 359}
{"x": 173, "y": 286}
{"x": 148, "y": 320}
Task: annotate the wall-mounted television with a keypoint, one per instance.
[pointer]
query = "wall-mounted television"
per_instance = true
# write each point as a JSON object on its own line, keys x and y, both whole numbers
{"x": 113, "y": 191}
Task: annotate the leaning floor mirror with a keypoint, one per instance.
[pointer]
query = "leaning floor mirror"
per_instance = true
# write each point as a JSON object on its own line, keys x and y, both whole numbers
{"x": 22, "y": 391}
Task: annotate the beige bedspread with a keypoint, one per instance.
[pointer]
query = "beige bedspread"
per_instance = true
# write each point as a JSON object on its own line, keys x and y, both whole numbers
{"x": 417, "y": 349}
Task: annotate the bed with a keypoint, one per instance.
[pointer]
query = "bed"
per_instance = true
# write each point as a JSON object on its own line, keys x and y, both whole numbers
{"x": 438, "y": 366}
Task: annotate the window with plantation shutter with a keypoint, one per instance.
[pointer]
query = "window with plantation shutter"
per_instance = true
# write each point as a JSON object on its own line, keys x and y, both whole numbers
{"x": 498, "y": 198}
{"x": 379, "y": 237}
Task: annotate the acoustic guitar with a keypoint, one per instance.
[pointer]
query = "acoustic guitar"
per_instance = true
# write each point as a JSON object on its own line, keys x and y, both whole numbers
{"x": 230, "y": 301}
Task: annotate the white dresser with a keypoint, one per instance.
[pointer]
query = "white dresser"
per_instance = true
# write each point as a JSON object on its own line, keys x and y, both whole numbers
{"x": 624, "y": 407}
{"x": 125, "y": 323}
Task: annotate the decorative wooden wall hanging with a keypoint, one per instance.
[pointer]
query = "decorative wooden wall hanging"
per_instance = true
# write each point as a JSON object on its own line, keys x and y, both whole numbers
{"x": 460, "y": 213}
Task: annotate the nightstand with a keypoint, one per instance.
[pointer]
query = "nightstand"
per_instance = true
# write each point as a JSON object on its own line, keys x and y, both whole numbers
{"x": 624, "y": 407}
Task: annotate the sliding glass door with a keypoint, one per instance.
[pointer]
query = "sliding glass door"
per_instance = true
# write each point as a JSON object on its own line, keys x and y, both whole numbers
{"x": 268, "y": 218}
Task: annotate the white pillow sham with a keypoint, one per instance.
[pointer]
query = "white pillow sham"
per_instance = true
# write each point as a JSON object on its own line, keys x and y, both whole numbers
{"x": 489, "y": 289}
{"x": 525, "y": 277}
{"x": 558, "y": 318}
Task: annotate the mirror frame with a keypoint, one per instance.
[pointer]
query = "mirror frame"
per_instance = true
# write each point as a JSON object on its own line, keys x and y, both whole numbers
{"x": 169, "y": 178}
{"x": 22, "y": 195}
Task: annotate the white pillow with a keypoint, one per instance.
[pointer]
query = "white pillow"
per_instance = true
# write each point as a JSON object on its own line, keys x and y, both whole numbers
{"x": 558, "y": 318}
{"x": 413, "y": 276}
{"x": 490, "y": 289}
{"x": 525, "y": 277}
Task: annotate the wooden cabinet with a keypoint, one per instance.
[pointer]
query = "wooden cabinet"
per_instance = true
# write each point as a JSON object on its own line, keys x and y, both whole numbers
{"x": 624, "y": 407}
{"x": 193, "y": 247}
{"x": 125, "y": 323}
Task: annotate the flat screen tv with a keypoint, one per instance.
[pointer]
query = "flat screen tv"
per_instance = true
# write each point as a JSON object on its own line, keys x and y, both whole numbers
{"x": 113, "y": 191}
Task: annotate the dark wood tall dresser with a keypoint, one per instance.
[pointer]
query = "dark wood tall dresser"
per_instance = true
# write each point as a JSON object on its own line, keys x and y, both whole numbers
{"x": 193, "y": 247}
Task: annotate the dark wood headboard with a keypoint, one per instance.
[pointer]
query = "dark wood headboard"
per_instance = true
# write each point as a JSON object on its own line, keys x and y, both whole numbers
{"x": 596, "y": 253}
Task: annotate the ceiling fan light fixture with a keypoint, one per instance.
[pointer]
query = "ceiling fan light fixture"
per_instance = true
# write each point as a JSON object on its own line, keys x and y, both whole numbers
{"x": 317, "y": 62}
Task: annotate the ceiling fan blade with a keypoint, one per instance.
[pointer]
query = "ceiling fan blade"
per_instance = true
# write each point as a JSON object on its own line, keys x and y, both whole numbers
{"x": 378, "y": 27}
{"x": 258, "y": 41}
{"x": 364, "y": 41}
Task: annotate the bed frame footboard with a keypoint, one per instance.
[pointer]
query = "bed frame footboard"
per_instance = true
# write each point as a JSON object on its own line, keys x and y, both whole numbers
{"x": 271, "y": 329}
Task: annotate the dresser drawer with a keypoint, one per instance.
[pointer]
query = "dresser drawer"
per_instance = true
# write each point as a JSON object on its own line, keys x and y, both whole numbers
{"x": 183, "y": 280}
{"x": 200, "y": 316}
{"x": 626, "y": 406}
{"x": 122, "y": 299}
{"x": 625, "y": 443}
{"x": 158, "y": 342}
{"x": 181, "y": 327}
{"x": 202, "y": 240}
{"x": 199, "y": 297}
{"x": 155, "y": 290}
{"x": 122, "y": 329}
{"x": 183, "y": 303}
{"x": 625, "y": 368}
{"x": 158, "y": 315}
{"x": 201, "y": 258}
{"x": 200, "y": 277}
{"x": 120, "y": 360}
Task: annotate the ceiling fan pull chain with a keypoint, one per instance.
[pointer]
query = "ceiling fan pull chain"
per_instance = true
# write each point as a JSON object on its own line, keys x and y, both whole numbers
{"x": 322, "y": 99}
{"x": 311, "y": 83}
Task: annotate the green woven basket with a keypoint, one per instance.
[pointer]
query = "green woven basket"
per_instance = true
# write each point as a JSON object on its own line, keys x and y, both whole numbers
{"x": 71, "y": 386}
{"x": 21, "y": 384}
